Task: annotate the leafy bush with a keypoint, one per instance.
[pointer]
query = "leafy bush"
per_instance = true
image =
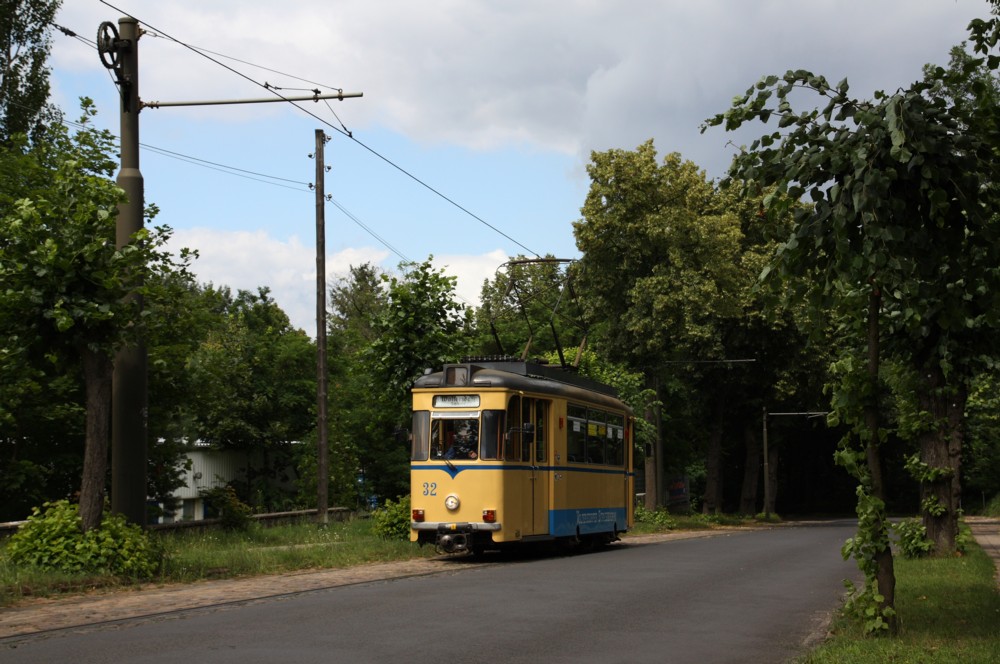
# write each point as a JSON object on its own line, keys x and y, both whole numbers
{"x": 54, "y": 540}
{"x": 913, "y": 540}
{"x": 993, "y": 507}
{"x": 657, "y": 518}
{"x": 233, "y": 512}
{"x": 392, "y": 520}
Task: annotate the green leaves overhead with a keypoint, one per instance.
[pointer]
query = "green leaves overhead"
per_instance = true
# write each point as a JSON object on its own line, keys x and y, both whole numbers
{"x": 901, "y": 187}
{"x": 660, "y": 255}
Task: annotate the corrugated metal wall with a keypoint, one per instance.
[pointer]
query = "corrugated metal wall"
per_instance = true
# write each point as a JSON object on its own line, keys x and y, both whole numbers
{"x": 210, "y": 469}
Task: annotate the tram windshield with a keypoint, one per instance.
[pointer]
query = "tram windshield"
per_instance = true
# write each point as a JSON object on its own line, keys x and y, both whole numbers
{"x": 455, "y": 438}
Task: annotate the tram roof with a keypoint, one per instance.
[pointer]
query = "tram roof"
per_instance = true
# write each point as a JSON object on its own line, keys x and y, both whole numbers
{"x": 518, "y": 374}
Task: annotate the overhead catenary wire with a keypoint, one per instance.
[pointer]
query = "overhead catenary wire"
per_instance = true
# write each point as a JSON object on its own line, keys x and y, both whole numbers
{"x": 326, "y": 122}
{"x": 267, "y": 179}
{"x": 277, "y": 181}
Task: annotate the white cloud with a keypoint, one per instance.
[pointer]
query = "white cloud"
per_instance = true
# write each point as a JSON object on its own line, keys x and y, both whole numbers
{"x": 247, "y": 260}
{"x": 564, "y": 75}
{"x": 471, "y": 271}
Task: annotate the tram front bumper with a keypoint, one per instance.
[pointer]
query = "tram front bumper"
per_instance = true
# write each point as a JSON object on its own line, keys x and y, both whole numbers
{"x": 451, "y": 537}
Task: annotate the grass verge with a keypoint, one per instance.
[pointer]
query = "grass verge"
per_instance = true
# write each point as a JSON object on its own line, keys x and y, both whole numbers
{"x": 949, "y": 611}
{"x": 213, "y": 554}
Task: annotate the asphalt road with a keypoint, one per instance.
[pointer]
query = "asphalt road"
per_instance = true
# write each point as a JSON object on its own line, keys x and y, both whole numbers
{"x": 746, "y": 596}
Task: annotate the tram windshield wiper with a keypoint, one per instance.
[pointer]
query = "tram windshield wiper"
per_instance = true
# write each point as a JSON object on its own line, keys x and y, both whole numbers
{"x": 450, "y": 464}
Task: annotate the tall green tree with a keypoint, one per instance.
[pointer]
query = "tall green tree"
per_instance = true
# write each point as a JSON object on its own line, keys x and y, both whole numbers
{"x": 653, "y": 245}
{"x": 900, "y": 241}
{"x": 178, "y": 328}
{"x": 65, "y": 283}
{"x": 531, "y": 305}
{"x": 981, "y": 456}
{"x": 24, "y": 74}
{"x": 666, "y": 282}
{"x": 356, "y": 301}
{"x": 256, "y": 384}
{"x": 421, "y": 326}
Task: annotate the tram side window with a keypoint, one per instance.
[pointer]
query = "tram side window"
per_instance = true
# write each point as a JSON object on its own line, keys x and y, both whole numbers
{"x": 489, "y": 443}
{"x": 616, "y": 440}
{"x": 576, "y": 449}
{"x": 421, "y": 442}
{"x": 597, "y": 434}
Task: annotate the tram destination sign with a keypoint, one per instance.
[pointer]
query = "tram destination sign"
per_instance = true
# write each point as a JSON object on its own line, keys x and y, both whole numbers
{"x": 456, "y": 401}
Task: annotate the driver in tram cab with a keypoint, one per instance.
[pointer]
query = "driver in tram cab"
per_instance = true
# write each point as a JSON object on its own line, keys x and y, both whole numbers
{"x": 465, "y": 443}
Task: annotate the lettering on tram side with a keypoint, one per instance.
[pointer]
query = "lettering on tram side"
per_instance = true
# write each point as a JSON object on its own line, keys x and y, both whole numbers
{"x": 597, "y": 516}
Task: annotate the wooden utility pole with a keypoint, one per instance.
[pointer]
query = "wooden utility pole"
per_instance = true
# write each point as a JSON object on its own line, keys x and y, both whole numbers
{"x": 322, "y": 442}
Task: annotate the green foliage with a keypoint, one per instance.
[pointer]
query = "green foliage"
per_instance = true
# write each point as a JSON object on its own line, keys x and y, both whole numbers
{"x": 529, "y": 304}
{"x": 53, "y": 539}
{"x": 993, "y": 506}
{"x": 769, "y": 517}
{"x": 872, "y": 538}
{"x": 255, "y": 379}
{"x": 913, "y": 540}
{"x": 364, "y": 455}
{"x": 392, "y": 520}
{"x": 419, "y": 327}
{"x": 659, "y": 519}
{"x": 660, "y": 266}
{"x": 899, "y": 240}
{"x": 24, "y": 72}
{"x": 233, "y": 512}
{"x": 950, "y": 606}
{"x": 66, "y": 308}
{"x": 925, "y": 473}
{"x": 981, "y": 451}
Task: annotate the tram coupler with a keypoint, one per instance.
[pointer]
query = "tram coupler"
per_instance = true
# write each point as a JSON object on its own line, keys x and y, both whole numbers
{"x": 453, "y": 542}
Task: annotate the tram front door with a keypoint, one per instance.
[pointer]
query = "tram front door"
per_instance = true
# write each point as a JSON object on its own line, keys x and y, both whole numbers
{"x": 529, "y": 444}
{"x": 540, "y": 468}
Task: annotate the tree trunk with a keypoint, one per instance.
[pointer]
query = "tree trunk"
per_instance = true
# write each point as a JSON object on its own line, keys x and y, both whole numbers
{"x": 773, "y": 457}
{"x": 97, "y": 371}
{"x": 712, "y": 503}
{"x": 751, "y": 472}
{"x": 653, "y": 456}
{"x": 885, "y": 575}
{"x": 940, "y": 450}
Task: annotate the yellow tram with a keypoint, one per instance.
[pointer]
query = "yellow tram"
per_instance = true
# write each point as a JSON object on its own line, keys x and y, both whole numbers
{"x": 505, "y": 451}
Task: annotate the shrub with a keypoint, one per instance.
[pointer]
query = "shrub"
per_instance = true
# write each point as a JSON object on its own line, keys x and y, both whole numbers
{"x": 392, "y": 520}
{"x": 234, "y": 514}
{"x": 657, "y": 518}
{"x": 54, "y": 540}
{"x": 993, "y": 507}
{"x": 913, "y": 540}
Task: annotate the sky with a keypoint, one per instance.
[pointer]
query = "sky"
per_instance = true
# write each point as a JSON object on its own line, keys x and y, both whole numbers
{"x": 477, "y": 121}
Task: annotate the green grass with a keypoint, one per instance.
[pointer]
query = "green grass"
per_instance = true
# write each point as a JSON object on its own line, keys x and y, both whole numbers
{"x": 212, "y": 554}
{"x": 949, "y": 611}
{"x": 651, "y": 522}
{"x": 192, "y": 556}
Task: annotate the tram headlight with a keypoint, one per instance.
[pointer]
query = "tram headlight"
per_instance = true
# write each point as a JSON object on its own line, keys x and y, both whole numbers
{"x": 452, "y": 502}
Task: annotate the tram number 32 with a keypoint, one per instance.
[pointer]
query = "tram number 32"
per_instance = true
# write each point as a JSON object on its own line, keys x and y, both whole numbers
{"x": 430, "y": 488}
